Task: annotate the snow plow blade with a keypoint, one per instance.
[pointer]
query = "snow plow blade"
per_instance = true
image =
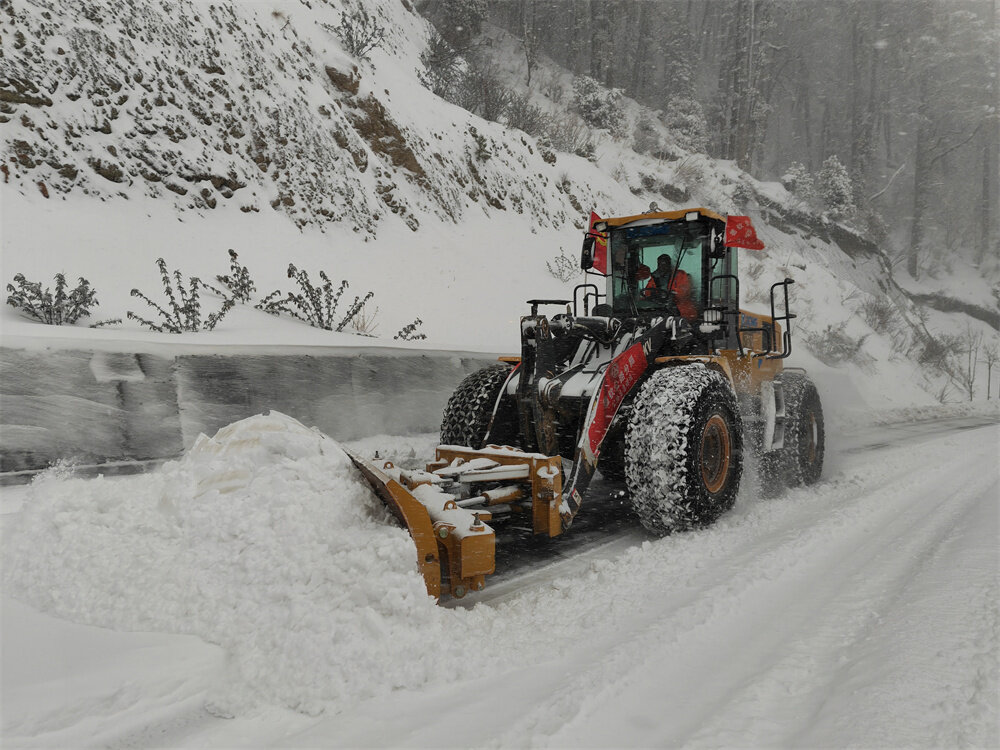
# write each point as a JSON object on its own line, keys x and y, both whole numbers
{"x": 455, "y": 548}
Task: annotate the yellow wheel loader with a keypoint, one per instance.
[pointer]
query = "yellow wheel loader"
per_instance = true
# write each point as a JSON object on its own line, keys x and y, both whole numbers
{"x": 654, "y": 378}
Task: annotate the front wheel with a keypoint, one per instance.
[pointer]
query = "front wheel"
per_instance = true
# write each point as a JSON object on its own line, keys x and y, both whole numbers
{"x": 683, "y": 449}
{"x": 477, "y": 411}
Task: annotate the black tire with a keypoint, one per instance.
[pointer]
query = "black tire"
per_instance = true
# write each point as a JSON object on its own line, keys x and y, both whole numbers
{"x": 611, "y": 462}
{"x": 805, "y": 438}
{"x": 771, "y": 470}
{"x": 467, "y": 415}
{"x": 683, "y": 449}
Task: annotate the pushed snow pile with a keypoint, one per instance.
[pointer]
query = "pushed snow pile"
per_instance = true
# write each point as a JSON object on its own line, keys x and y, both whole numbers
{"x": 263, "y": 539}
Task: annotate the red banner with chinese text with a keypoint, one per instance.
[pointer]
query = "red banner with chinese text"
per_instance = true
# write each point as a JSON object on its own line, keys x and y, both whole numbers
{"x": 623, "y": 372}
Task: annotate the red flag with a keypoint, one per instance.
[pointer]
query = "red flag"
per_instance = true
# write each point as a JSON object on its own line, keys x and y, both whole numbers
{"x": 740, "y": 233}
{"x": 600, "y": 246}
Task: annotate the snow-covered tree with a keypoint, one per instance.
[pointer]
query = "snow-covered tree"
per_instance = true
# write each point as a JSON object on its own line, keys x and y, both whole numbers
{"x": 600, "y": 107}
{"x": 799, "y": 182}
{"x": 686, "y": 118}
{"x": 834, "y": 189}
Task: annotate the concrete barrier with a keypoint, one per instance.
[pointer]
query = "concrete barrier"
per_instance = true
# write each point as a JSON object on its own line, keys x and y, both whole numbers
{"x": 101, "y": 406}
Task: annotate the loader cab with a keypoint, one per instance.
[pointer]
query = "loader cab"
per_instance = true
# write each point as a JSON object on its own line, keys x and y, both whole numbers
{"x": 692, "y": 241}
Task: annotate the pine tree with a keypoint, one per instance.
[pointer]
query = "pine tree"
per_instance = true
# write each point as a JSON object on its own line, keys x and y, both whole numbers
{"x": 834, "y": 188}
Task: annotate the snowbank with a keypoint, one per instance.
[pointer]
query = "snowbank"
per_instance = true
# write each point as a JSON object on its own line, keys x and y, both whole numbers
{"x": 262, "y": 539}
{"x": 858, "y": 612}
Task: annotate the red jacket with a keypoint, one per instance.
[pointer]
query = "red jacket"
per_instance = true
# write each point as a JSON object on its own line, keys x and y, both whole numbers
{"x": 681, "y": 287}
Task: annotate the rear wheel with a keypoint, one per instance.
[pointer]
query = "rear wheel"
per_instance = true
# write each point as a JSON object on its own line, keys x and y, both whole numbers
{"x": 468, "y": 415}
{"x": 805, "y": 438}
{"x": 683, "y": 449}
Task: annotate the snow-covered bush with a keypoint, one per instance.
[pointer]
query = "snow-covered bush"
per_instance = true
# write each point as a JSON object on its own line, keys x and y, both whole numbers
{"x": 238, "y": 281}
{"x": 831, "y": 191}
{"x": 799, "y": 182}
{"x": 360, "y": 32}
{"x": 184, "y": 313}
{"x": 879, "y": 313}
{"x": 834, "y": 188}
{"x": 833, "y": 345}
{"x": 314, "y": 305}
{"x": 686, "y": 119}
{"x": 647, "y": 139}
{"x": 58, "y": 308}
{"x": 600, "y": 107}
{"x": 743, "y": 195}
{"x": 409, "y": 332}
{"x": 563, "y": 267}
{"x": 689, "y": 171}
{"x": 568, "y": 133}
{"x": 937, "y": 352}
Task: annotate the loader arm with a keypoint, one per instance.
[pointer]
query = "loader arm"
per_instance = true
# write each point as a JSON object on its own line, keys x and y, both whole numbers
{"x": 618, "y": 380}
{"x": 539, "y": 390}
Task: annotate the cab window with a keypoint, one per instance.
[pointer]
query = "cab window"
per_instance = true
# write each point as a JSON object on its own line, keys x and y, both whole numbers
{"x": 637, "y": 268}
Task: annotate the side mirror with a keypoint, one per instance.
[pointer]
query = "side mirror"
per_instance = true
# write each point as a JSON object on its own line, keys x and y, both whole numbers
{"x": 718, "y": 247}
{"x": 587, "y": 256}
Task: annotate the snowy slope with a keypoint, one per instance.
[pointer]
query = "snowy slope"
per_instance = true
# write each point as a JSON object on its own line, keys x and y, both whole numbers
{"x": 180, "y": 130}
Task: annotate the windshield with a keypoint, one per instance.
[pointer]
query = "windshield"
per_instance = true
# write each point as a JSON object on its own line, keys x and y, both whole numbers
{"x": 656, "y": 268}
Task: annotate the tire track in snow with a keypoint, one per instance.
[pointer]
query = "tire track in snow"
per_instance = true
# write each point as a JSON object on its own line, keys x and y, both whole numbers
{"x": 806, "y": 554}
{"x": 883, "y": 572}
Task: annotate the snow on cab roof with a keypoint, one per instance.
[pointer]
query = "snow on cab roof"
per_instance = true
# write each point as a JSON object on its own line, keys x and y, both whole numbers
{"x": 669, "y": 215}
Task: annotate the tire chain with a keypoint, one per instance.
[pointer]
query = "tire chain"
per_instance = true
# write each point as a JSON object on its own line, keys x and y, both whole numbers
{"x": 467, "y": 415}
{"x": 798, "y": 390}
{"x": 656, "y": 445}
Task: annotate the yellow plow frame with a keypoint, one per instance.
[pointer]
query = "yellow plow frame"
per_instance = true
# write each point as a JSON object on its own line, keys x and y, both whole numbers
{"x": 445, "y": 508}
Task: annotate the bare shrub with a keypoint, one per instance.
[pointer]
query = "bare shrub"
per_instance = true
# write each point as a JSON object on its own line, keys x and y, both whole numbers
{"x": 552, "y": 87}
{"x": 360, "y": 32}
{"x": 524, "y": 115}
{"x": 58, "y": 308}
{"x": 991, "y": 355}
{"x": 879, "y": 313}
{"x": 238, "y": 281}
{"x": 689, "y": 171}
{"x": 969, "y": 344}
{"x": 409, "y": 332}
{"x": 365, "y": 323}
{"x": 563, "y": 267}
{"x": 315, "y": 305}
{"x": 183, "y": 307}
{"x": 483, "y": 92}
{"x": 443, "y": 71}
{"x": 936, "y": 354}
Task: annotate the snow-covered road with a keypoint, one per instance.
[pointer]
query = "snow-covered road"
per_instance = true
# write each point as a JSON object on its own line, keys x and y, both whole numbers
{"x": 863, "y": 611}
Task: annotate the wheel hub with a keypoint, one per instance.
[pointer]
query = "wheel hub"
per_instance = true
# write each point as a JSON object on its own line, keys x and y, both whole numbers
{"x": 811, "y": 447}
{"x": 715, "y": 453}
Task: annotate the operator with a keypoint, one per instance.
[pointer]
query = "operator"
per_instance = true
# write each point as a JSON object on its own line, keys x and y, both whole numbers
{"x": 680, "y": 286}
